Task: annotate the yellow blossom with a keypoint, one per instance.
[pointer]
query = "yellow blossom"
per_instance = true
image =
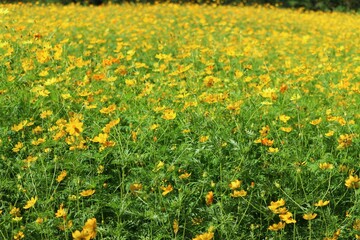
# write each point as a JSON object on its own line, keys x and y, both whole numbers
{"x": 309, "y": 216}
{"x": 61, "y": 212}
{"x": 277, "y": 226}
{"x": 30, "y": 203}
{"x": 237, "y": 193}
{"x": 204, "y": 236}
{"x": 87, "y": 193}
{"x": 316, "y": 121}
{"x": 352, "y": 181}
{"x": 167, "y": 190}
{"x": 235, "y": 184}
{"x": 61, "y": 176}
{"x": 169, "y": 114}
{"x": 321, "y": 203}
{"x": 203, "y": 139}
{"x": 209, "y": 198}
{"x": 284, "y": 118}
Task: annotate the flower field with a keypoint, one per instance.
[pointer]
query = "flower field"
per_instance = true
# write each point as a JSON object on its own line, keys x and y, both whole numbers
{"x": 178, "y": 122}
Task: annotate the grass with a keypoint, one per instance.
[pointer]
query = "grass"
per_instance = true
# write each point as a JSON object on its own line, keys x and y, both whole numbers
{"x": 178, "y": 122}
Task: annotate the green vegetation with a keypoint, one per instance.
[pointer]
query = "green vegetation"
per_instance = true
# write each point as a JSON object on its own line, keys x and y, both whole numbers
{"x": 178, "y": 122}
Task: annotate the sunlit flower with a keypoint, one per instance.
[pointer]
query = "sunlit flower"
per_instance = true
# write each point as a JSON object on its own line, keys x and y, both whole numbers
{"x": 87, "y": 193}
{"x": 277, "y": 226}
{"x": 309, "y": 216}
{"x": 321, "y": 203}
{"x": 287, "y": 217}
{"x": 238, "y": 193}
{"x": 204, "y": 236}
{"x": 169, "y": 114}
{"x": 209, "y": 198}
{"x": 235, "y": 184}
{"x": 61, "y": 212}
{"x": 352, "y": 181}
{"x": 275, "y": 205}
{"x": 30, "y": 203}
{"x": 61, "y": 176}
{"x": 166, "y": 190}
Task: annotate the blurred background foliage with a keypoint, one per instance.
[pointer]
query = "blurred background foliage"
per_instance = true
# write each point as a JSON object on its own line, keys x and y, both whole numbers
{"x": 323, "y": 5}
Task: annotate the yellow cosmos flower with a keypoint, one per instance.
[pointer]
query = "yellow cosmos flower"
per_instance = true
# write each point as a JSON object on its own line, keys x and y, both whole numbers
{"x": 275, "y": 205}
{"x": 235, "y": 184}
{"x": 109, "y": 109}
{"x": 309, "y": 216}
{"x": 87, "y": 193}
{"x": 30, "y": 203}
{"x": 325, "y": 166}
{"x": 284, "y": 118}
{"x": 329, "y": 133}
{"x": 18, "y": 147}
{"x": 185, "y": 175}
{"x": 352, "y": 181}
{"x": 61, "y": 212}
{"x": 204, "y": 236}
{"x": 316, "y": 121}
{"x": 135, "y": 187}
{"x": 277, "y": 226}
{"x": 236, "y": 193}
{"x": 169, "y": 114}
{"x": 74, "y": 127}
{"x": 286, "y": 129}
{"x": 167, "y": 190}
{"x": 287, "y": 217}
{"x": 61, "y": 176}
{"x": 321, "y": 203}
{"x": 209, "y": 198}
{"x": 203, "y": 139}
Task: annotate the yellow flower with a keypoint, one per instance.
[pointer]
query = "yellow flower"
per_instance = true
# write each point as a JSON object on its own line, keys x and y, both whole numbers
{"x": 167, "y": 189}
{"x": 309, "y": 216}
{"x": 352, "y": 182}
{"x": 264, "y": 131}
{"x": 316, "y": 121}
{"x": 273, "y": 150}
{"x": 135, "y": 187}
{"x": 209, "y": 198}
{"x": 61, "y": 176}
{"x": 87, "y": 193}
{"x": 235, "y": 184}
{"x": 284, "y": 118}
{"x": 329, "y": 133}
{"x": 176, "y": 226}
{"x": 185, "y": 175}
{"x": 169, "y": 114}
{"x": 286, "y": 129}
{"x": 101, "y": 138}
{"x": 287, "y": 217}
{"x": 30, "y": 203}
{"x": 325, "y": 166}
{"x": 45, "y": 114}
{"x": 19, "y": 235}
{"x": 321, "y": 203}
{"x": 74, "y": 127}
{"x": 204, "y": 236}
{"x": 88, "y": 232}
{"x": 109, "y": 109}
{"x": 203, "y": 139}
{"x": 18, "y": 147}
{"x": 275, "y": 205}
{"x": 61, "y": 212}
{"x": 236, "y": 193}
{"x": 277, "y": 226}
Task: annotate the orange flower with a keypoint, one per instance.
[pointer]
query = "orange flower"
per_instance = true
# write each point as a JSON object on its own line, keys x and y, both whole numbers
{"x": 209, "y": 198}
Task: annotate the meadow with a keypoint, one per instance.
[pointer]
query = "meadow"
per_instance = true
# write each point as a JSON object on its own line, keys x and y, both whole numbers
{"x": 178, "y": 122}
